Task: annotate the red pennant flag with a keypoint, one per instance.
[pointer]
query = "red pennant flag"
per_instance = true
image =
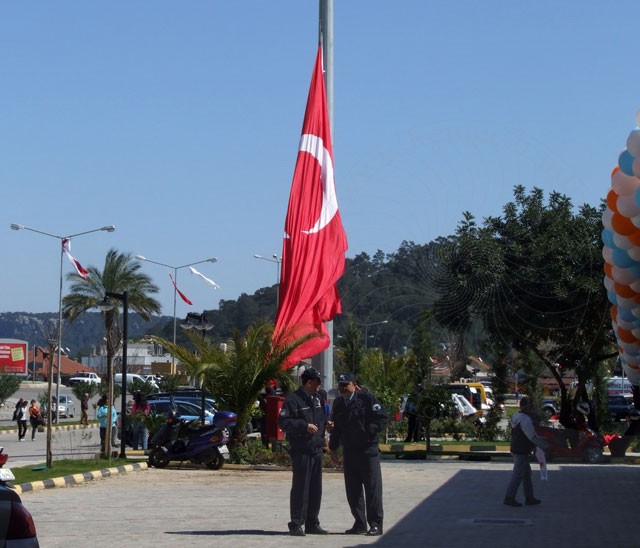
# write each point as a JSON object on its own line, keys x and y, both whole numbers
{"x": 182, "y": 295}
{"x": 315, "y": 242}
{"x": 66, "y": 248}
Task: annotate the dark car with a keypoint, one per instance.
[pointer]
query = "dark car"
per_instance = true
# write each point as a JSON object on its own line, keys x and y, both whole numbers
{"x": 620, "y": 406}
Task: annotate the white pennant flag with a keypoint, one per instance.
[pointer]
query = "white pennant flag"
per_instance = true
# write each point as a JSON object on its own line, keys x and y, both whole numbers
{"x": 208, "y": 280}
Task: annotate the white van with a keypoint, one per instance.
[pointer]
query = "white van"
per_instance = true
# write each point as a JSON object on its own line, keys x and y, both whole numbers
{"x": 130, "y": 378}
{"x": 618, "y": 385}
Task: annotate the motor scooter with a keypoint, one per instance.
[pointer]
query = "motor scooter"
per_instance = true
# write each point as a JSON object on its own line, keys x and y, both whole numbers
{"x": 582, "y": 443}
{"x": 178, "y": 440}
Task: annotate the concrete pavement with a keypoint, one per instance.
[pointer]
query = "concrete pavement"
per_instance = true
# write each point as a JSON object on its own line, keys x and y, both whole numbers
{"x": 440, "y": 503}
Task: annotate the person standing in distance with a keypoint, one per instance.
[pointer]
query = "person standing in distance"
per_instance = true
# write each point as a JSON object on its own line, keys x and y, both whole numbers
{"x": 302, "y": 419}
{"x": 357, "y": 420}
{"x": 524, "y": 440}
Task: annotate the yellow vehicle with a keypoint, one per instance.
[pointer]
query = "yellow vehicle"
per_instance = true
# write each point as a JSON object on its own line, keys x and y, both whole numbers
{"x": 474, "y": 392}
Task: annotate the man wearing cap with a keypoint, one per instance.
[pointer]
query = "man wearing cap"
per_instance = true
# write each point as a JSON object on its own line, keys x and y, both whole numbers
{"x": 358, "y": 418}
{"x": 302, "y": 419}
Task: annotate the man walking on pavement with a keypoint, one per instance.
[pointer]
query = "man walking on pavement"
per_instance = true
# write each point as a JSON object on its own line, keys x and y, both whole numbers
{"x": 524, "y": 440}
{"x": 302, "y": 419}
{"x": 357, "y": 419}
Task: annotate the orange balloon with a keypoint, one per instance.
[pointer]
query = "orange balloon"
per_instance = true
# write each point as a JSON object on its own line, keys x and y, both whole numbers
{"x": 624, "y": 291}
{"x": 614, "y": 312}
{"x": 612, "y": 201}
{"x": 608, "y": 270}
{"x": 634, "y": 237}
{"x": 615, "y": 170}
{"x": 626, "y": 336}
{"x": 622, "y": 225}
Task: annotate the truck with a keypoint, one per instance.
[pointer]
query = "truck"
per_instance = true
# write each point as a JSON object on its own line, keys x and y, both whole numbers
{"x": 85, "y": 376}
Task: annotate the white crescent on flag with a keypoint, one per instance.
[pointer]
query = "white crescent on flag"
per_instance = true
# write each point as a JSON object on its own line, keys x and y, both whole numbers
{"x": 315, "y": 146}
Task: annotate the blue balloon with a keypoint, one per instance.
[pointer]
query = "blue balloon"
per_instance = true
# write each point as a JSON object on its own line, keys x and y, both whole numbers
{"x": 636, "y": 196}
{"x": 626, "y": 315}
{"x": 613, "y": 298}
{"x": 621, "y": 258}
{"x": 607, "y": 237}
{"x": 625, "y": 161}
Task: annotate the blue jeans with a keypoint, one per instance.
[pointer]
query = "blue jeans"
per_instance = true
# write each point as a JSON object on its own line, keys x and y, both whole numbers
{"x": 521, "y": 475}
{"x": 140, "y": 435}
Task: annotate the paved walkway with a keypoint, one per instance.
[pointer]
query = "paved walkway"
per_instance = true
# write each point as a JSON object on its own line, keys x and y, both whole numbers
{"x": 442, "y": 504}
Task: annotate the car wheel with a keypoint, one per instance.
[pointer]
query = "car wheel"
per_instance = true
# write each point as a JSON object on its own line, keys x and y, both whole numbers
{"x": 158, "y": 459}
{"x": 216, "y": 462}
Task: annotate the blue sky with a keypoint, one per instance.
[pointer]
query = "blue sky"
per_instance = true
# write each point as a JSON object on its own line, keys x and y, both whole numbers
{"x": 179, "y": 123}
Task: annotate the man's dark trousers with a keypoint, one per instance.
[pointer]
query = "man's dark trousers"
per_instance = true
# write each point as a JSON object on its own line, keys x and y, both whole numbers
{"x": 306, "y": 486}
{"x": 363, "y": 479}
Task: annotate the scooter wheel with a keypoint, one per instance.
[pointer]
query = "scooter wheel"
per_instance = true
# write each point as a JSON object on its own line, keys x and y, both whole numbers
{"x": 215, "y": 463}
{"x": 158, "y": 459}
{"x": 592, "y": 455}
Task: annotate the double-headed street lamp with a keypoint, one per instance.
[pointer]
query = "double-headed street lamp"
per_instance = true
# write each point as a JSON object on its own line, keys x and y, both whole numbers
{"x": 14, "y": 226}
{"x": 105, "y": 306}
{"x": 175, "y": 282}
{"x": 278, "y": 261}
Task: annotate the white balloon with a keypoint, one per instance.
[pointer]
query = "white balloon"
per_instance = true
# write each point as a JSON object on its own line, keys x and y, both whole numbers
{"x": 622, "y": 241}
{"x": 608, "y": 283}
{"x": 624, "y": 185}
{"x": 626, "y": 303}
{"x": 627, "y": 205}
{"x": 635, "y": 167}
{"x": 634, "y": 253}
{"x": 635, "y": 286}
{"x": 622, "y": 276}
{"x": 633, "y": 143}
{"x": 606, "y": 218}
{"x": 607, "y": 254}
{"x": 635, "y": 221}
{"x": 632, "y": 374}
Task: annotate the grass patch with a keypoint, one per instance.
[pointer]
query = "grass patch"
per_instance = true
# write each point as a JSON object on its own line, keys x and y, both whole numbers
{"x": 65, "y": 467}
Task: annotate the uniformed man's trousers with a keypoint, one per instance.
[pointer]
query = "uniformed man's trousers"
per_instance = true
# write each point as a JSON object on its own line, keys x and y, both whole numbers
{"x": 363, "y": 483}
{"x": 306, "y": 489}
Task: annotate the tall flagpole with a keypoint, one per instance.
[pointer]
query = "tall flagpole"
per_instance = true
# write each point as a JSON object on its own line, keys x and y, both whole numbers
{"x": 323, "y": 362}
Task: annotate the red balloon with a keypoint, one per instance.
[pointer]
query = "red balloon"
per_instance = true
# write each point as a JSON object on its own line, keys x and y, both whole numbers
{"x": 622, "y": 225}
{"x": 612, "y": 201}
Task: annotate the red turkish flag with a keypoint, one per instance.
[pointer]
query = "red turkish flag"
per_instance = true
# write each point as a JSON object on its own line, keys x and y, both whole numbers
{"x": 314, "y": 242}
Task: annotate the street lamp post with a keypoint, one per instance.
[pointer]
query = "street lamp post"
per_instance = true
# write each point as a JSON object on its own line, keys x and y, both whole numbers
{"x": 204, "y": 326}
{"x": 106, "y": 305}
{"x": 175, "y": 282}
{"x": 15, "y": 226}
{"x": 366, "y": 329}
{"x": 278, "y": 260}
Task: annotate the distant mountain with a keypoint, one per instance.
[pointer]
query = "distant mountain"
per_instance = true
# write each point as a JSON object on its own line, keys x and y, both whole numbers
{"x": 81, "y": 336}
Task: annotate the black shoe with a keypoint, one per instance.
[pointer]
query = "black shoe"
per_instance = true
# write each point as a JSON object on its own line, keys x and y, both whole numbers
{"x": 296, "y": 531}
{"x": 510, "y": 501}
{"x": 316, "y": 530}
{"x": 532, "y": 501}
{"x": 375, "y": 531}
{"x": 355, "y": 530}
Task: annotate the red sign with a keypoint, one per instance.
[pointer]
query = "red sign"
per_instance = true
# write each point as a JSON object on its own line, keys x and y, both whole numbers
{"x": 13, "y": 356}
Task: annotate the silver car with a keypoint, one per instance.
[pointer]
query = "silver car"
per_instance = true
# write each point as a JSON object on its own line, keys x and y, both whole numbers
{"x": 66, "y": 407}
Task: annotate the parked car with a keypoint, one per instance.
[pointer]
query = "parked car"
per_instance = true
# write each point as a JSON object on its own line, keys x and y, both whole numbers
{"x": 620, "y": 406}
{"x": 66, "y": 406}
{"x": 84, "y": 376}
{"x": 187, "y": 410}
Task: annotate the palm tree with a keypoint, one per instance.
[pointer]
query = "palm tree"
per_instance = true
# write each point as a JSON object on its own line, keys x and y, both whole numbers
{"x": 120, "y": 273}
{"x": 236, "y": 373}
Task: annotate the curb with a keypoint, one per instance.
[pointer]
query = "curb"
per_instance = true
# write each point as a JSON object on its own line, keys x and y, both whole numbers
{"x": 54, "y": 428}
{"x": 77, "y": 479}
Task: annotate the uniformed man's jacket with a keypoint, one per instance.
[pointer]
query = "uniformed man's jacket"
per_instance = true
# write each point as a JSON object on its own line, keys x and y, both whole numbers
{"x": 298, "y": 411}
{"x": 357, "y": 423}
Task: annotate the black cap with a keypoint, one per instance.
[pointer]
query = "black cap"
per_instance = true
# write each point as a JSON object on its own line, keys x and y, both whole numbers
{"x": 346, "y": 378}
{"x": 309, "y": 374}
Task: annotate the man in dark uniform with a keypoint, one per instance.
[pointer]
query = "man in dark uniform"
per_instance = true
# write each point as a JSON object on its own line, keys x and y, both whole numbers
{"x": 357, "y": 419}
{"x": 302, "y": 419}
